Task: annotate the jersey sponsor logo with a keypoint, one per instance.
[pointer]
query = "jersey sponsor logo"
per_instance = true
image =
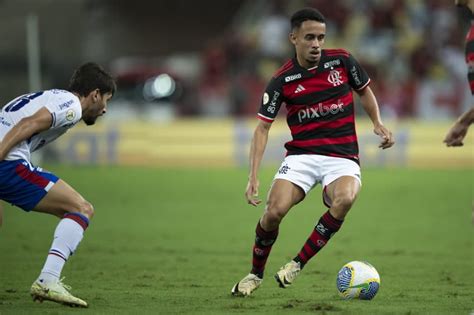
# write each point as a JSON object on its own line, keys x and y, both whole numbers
{"x": 355, "y": 76}
{"x": 70, "y": 114}
{"x": 5, "y": 123}
{"x": 335, "y": 77}
{"x": 320, "y": 111}
{"x": 272, "y": 107}
{"x": 266, "y": 98}
{"x": 299, "y": 88}
{"x": 65, "y": 105}
{"x": 332, "y": 63}
{"x": 293, "y": 77}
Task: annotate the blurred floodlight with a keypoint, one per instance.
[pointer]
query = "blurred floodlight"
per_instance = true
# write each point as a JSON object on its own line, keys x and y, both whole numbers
{"x": 159, "y": 87}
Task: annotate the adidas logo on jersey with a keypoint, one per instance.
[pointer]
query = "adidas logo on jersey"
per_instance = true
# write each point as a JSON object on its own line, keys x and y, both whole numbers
{"x": 299, "y": 88}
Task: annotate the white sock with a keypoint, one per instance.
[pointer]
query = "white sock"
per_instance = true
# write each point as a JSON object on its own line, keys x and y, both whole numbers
{"x": 67, "y": 237}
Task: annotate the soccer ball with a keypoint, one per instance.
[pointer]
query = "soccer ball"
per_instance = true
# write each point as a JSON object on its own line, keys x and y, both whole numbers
{"x": 358, "y": 279}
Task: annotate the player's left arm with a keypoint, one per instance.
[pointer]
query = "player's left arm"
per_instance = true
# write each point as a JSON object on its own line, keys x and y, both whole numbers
{"x": 369, "y": 102}
{"x": 26, "y": 128}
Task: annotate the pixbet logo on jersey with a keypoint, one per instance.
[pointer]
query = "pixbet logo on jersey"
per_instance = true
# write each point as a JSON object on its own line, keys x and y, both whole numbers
{"x": 320, "y": 111}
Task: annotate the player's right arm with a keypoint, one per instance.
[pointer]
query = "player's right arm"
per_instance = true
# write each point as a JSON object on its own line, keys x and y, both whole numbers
{"x": 271, "y": 102}
{"x": 257, "y": 148}
{"x": 25, "y": 129}
{"x": 458, "y": 131}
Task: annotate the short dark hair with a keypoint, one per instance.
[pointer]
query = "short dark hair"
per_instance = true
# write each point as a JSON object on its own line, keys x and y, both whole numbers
{"x": 304, "y": 15}
{"x": 91, "y": 76}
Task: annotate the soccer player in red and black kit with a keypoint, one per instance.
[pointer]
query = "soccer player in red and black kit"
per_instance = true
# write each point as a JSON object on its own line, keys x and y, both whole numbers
{"x": 317, "y": 87}
{"x": 458, "y": 131}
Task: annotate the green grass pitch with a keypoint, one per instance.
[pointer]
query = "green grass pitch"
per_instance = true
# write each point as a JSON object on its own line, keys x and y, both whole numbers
{"x": 175, "y": 241}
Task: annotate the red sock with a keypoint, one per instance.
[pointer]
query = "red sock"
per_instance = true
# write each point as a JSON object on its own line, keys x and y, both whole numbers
{"x": 261, "y": 250}
{"x": 321, "y": 234}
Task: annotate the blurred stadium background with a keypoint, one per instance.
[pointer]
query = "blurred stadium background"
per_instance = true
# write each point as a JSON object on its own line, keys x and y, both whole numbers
{"x": 190, "y": 77}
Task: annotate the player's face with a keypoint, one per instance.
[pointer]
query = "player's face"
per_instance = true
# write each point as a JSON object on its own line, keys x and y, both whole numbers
{"x": 308, "y": 40}
{"x": 460, "y": 2}
{"x": 97, "y": 108}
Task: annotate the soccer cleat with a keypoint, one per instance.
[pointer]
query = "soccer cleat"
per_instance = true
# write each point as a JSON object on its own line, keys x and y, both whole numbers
{"x": 287, "y": 274}
{"x": 247, "y": 285}
{"x": 56, "y": 292}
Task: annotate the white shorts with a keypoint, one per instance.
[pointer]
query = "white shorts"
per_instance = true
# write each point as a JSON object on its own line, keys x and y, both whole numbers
{"x": 308, "y": 170}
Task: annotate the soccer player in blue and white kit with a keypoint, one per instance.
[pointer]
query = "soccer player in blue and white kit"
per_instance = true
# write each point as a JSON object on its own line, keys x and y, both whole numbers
{"x": 317, "y": 87}
{"x": 26, "y": 124}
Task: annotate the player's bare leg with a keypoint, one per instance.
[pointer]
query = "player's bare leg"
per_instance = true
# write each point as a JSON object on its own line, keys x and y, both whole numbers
{"x": 62, "y": 201}
{"x": 342, "y": 194}
{"x": 281, "y": 197}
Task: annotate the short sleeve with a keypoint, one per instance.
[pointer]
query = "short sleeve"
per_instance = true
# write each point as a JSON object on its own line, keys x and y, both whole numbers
{"x": 358, "y": 78}
{"x": 271, "y": 101}
{"x": 65, "y": 109}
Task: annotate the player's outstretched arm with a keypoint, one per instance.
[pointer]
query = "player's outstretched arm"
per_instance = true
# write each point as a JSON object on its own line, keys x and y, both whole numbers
{"x": 369, "y": 102}
{"x": 27, "y": 127}
{"x": 456, "y": 134}
{"x": 257, "y": 148}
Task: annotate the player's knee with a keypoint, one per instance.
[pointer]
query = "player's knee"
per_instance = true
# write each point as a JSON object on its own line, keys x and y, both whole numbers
{"x": 86, "y": 209}
{"x": 343, "y": 202}
{"x": 274, "y": 213}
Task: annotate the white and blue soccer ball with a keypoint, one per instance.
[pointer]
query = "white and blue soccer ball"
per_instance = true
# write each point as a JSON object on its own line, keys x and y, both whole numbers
{"x": 358, "y": 280}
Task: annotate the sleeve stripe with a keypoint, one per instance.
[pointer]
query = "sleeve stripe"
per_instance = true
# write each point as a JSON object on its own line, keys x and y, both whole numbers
{"x": 364, "y": 86}
{"x": 53, "y": 121}
{"x": 265, "y": 118}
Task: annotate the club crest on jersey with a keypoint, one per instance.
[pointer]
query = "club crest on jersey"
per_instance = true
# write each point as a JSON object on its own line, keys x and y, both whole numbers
{"x": 293, "y": 77}
{"x": 335, "y": 77}
{"x": 70, "y": 114}
{"x": 320, "y": 111}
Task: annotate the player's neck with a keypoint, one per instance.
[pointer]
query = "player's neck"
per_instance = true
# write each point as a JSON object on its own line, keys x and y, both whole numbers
{"x": 305, "y": 64}
{"x": 82, "y": 100}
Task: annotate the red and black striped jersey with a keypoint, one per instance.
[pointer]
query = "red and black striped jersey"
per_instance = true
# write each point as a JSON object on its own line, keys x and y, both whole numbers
{"x": 470, "y": 56}
{"x": 319, "y": 103}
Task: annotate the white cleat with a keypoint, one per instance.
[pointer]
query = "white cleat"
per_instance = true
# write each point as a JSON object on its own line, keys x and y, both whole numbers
{"x": 247, "y": 285}
{"x": 287, "y": 274}
{"x": 57, "y": 292}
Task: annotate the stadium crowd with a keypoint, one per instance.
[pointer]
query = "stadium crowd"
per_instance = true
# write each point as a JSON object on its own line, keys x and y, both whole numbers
{"x": 413, "y": 51}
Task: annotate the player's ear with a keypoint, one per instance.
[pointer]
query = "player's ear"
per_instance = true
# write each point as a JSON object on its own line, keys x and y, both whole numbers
{"x": 95, "y": 95}
{"x": 292, "y": 37}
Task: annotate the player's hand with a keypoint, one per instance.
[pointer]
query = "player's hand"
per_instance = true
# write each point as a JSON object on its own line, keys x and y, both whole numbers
{"x": 456, "y": 135}
{"x": 386, "y": 135}
{"x": 251, "y": 193}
